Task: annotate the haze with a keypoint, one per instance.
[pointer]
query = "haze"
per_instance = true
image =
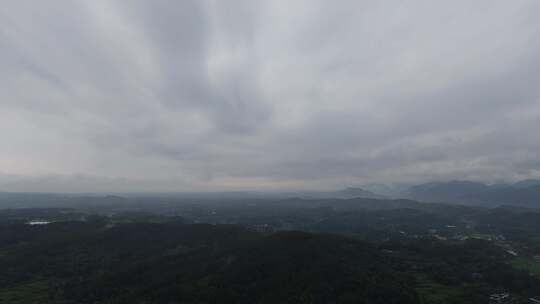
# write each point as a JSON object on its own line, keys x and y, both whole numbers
{"x": 264, "y": 95}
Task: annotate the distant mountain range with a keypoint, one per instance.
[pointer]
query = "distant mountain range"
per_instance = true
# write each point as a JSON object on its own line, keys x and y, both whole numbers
{"x": 524, "y": 193}
{"x": 350, "y": 192}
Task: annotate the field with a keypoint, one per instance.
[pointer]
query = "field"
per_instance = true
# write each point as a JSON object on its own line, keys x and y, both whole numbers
{"x": 29, "y": 293}
{"x": 529, "y": 264}
{"x": 433, "y": 293}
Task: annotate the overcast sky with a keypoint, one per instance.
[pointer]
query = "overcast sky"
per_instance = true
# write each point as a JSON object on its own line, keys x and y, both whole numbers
{"x": 215, "y": 95}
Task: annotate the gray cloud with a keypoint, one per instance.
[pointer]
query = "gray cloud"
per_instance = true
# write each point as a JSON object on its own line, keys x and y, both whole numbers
{"x": 199, "y": 95}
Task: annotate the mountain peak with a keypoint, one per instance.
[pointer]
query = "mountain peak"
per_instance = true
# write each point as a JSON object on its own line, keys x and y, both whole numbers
{"x": 351, "y": 192}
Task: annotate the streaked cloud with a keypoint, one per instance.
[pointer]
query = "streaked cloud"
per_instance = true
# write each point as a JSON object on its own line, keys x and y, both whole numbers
{"x": 199, "y": 95}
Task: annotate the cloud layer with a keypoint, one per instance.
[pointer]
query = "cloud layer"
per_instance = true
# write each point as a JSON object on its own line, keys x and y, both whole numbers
{"x": 210, "y": 95}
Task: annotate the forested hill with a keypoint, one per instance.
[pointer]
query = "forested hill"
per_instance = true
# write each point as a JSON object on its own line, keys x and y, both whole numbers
{"x": 173, "y": 263}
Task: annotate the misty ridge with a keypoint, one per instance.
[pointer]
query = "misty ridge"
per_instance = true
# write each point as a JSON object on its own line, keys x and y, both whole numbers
{"x": 525, "y": 193}
{"x": 269, "y": 152}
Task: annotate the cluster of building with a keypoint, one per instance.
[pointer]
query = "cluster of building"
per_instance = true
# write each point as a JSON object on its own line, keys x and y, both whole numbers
{"x": 506, "y": 298}
{"x": 500, "y": 298}
{"x": 37, "y": 222}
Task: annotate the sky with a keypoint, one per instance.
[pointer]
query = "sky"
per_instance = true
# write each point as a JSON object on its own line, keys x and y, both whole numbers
{"x": 197, "y": 95}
